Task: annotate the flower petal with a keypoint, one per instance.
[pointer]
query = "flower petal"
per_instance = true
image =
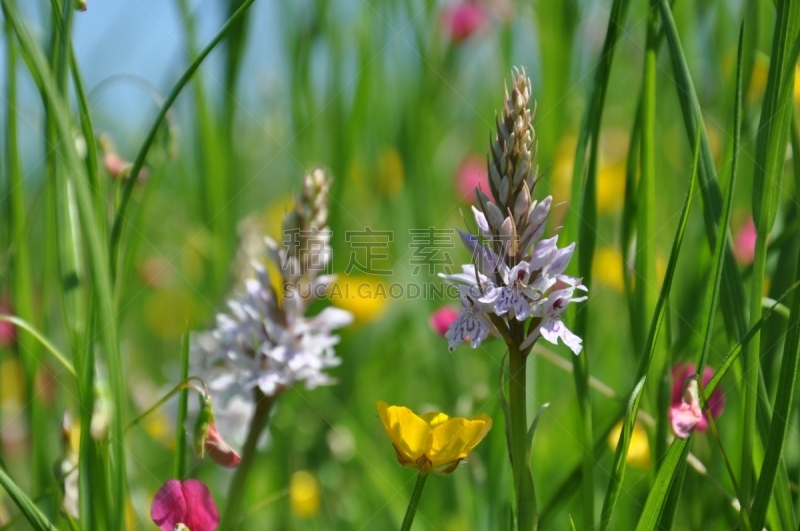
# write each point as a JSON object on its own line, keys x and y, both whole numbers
{"x": 408, "y": 432}
{"x": 202, "y": 514}
{"x": 434, "y": 419}
{"x": 169, "y": 506}
{"x": 454, "y": 440}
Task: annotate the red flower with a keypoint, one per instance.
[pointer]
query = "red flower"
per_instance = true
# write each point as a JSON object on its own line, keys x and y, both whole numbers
{"x": 442, "y": 318}
{"x": 461, "y": 20}
{"x": 716, "y": 402}
{"x": 188, "y": 503}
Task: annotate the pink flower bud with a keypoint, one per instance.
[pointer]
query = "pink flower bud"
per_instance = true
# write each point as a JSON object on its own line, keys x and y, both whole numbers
{"x": 461, "y": 20}
{"x": 744, "y": 245}
{"x": 716, "y": 402}
{"x": 441, "y": 319}
{"x": 118, "y": 167}
{"x": 184, "y": 502}
{"x": 219, "y": 451}
{"x": 472, "y": 173}
{"x": 206, "y": 440}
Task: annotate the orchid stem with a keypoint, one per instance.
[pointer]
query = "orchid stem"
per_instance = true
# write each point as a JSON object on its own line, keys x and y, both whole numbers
{"x": 518, "y": 432}
{"x": 413, "y": 502}
{"x": 239, "y": 481}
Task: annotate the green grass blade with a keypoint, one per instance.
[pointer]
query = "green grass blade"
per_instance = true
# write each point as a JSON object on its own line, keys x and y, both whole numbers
{"x": 32, "y": 513}
{"x": 21, "y": 323}
{"x": 179, "y": 467}
{"x": 618, "y": 469}
{"x": 773, "y": 134}
{"x": 781, "y": 412}
{"x": 733, "y": 297}
{"x": 138, "y": 162}
{"x": 620, "y": 456}
{"x": 97, "y": 252}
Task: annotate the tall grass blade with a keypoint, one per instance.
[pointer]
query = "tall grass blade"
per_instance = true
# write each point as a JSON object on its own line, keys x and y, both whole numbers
{"x": 773, "y": 135}
{"x": 116, "y": 229}
{"x": 781, "y": 412}
{"x": 97, "y": 252}
{"x": 620, "y": 456}
{"x": 32, "y": 513}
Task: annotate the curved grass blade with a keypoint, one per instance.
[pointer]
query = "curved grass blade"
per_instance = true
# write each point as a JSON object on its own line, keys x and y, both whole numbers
{"x": 138, "y": 162}
{"x": 97, "y": 253}
{"x": 41, "y": 339}
{"x": 179, "y": 467}
{"x": 32, "y": 513}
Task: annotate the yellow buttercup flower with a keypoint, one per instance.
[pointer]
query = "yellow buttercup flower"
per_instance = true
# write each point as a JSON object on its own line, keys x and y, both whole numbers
{"x": 366, "y": 297}
{"x": 639, "y": 449}
{"x": 304, "y": 494}
{"x": 432, "y": 442}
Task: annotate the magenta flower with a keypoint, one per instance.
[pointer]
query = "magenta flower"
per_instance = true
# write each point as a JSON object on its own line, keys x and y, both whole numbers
{"x": 8, "y": 332}
{"x": 471, "y": 174}
{"x": 716, "y": 402}
{"x": 462, "y": 19}
{"x": 744, "y": 245}
{"x": 188, "y": 503}
{"x": 442, "y": 318}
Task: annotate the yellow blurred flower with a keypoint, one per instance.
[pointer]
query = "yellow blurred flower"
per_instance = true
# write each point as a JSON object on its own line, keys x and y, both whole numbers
{"x": 170, "y": 311}
{"x": 304, "y": 494}
{"x": 434, "y": 441}
{"x": 390, "y": 172}
{"x": 610, "y": 173}
{"x": 607, "y": 268}
{"x": 366, "y": 297}
{"x": 561, "y": 181}
{"x": 639, "y": 449}
{"x": 12, "y": 389}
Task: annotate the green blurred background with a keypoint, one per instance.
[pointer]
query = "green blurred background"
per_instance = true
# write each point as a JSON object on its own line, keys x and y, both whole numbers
{"x": 383, "y": 95}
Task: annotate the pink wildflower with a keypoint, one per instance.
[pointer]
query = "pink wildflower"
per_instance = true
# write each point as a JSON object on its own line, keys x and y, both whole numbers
{"x": 471, "y": 174}
{"x": 462, "y": 19}
{"x": 442, "y": 318}
{"x": 685, "y": 411}
{"x": 744, "y": 245}
{"x": 188, "y": 503}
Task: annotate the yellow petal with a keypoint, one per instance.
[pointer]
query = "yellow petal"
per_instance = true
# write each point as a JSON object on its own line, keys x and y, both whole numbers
{"x": 434, "y": 419}
{"x": 408, "y": 432}
{"x": 455, "y": 439}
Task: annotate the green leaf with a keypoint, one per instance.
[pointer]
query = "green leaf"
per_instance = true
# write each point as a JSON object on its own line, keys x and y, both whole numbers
{"x": 32, "y": 513}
